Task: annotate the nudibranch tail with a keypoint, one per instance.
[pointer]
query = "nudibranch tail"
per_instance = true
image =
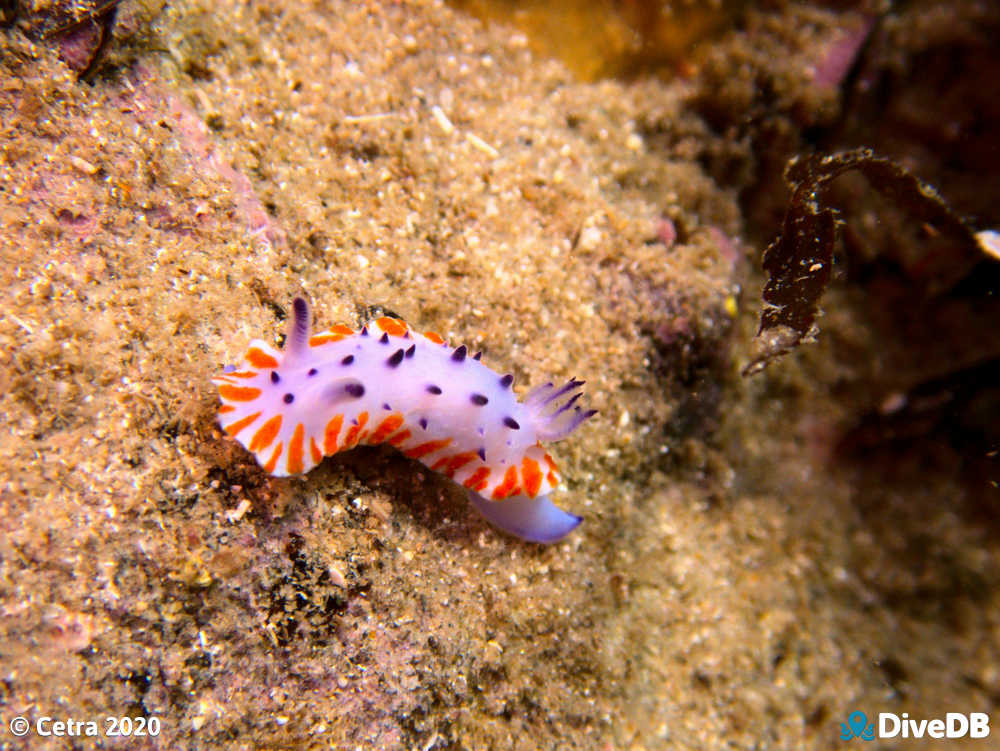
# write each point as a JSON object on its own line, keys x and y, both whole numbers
{"x": 332, "y": 390}
{"x": 533, "y": 519}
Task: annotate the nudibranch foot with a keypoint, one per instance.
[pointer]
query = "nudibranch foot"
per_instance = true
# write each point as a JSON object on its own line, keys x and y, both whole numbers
{"x": 535, "y": 519}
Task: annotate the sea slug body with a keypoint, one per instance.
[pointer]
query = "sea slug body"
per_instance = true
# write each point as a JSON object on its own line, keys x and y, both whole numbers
{"x": 333, "y": 390}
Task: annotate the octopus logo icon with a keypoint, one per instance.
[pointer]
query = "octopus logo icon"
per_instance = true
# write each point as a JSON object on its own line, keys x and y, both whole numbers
{"x": 857, "y": 726}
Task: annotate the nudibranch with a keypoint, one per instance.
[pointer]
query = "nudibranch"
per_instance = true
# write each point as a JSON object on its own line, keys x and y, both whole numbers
{"x": 336, "y": 389}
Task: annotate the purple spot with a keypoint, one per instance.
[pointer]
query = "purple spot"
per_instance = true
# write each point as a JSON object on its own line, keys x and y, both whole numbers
{"x": 384, "y": 339}
{"x": 482, "y": 453}
{"x": 288, "y": 398}
{"x": 347, "y": 360}
{"x": 356, "y": 390}
{"x": 312, "y": 372}
{"x": 423, "y": 423}
{"x": 396, "y": 359}
{"x": 459, "y": 354}
{"x": 411, "y": 350}
{"x": 479, "y": 400}
{"x": 432, "y": 389}
{"x": 511, "y": 423}
{"x": 506, "y": 381}
{"x": 274, "y": 376}
{"x": 385, "y": 405}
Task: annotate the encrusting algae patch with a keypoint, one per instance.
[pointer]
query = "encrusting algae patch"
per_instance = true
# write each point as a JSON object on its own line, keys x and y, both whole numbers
{"x": 600, "y": 39}
{"x": 400, "y": 160}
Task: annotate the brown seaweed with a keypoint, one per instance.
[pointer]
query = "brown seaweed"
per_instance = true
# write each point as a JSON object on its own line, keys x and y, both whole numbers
{"x": 799, "y": 260}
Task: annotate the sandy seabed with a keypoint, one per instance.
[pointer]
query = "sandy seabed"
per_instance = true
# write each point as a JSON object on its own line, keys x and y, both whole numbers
{"x": 725, "y": 589}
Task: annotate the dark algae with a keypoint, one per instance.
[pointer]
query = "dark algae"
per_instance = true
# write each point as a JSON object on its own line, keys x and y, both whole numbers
{"x": 799, "y": 260}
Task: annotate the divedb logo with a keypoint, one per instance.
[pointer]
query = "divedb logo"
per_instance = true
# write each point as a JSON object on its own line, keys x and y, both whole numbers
{"x": 891, "y": 725}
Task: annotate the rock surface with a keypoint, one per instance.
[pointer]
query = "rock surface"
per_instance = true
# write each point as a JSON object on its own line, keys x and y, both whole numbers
{"x": 725, "y": 589}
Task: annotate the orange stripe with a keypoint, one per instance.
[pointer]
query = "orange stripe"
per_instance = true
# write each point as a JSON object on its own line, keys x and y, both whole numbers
{"x": 341, "y": 329}
{"x": 317, "y": 455}
{"x": 324, "y": 338}
{"x": 434, "y": 337}
{"x": 237, "y": 426}
{"x": 238, "y": 393}
{"x": 295, "y": 464}
{"x": 477, "y": 480}
{"x": 330, "y": 435}
{"x": 265, "y": 436}
{"x": 260, "y": 359}
{"x": 553, "y": 474}
{"x": 532, "y": 476}
{"x": 239, "y": 374}
{"x": 392, "y": 326}
{"x": 441, "y": 463}
{"x": 386, "y": 428}
{"x": 508, "y": 485}
{"x": 458, "y": 461}
{"x": 427, "y": 448}
{"x": 226, "y": 408}
{"x": 273, "y": 461}
{"x": 354, "y": 434}
{"x": 399, "y": 438}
